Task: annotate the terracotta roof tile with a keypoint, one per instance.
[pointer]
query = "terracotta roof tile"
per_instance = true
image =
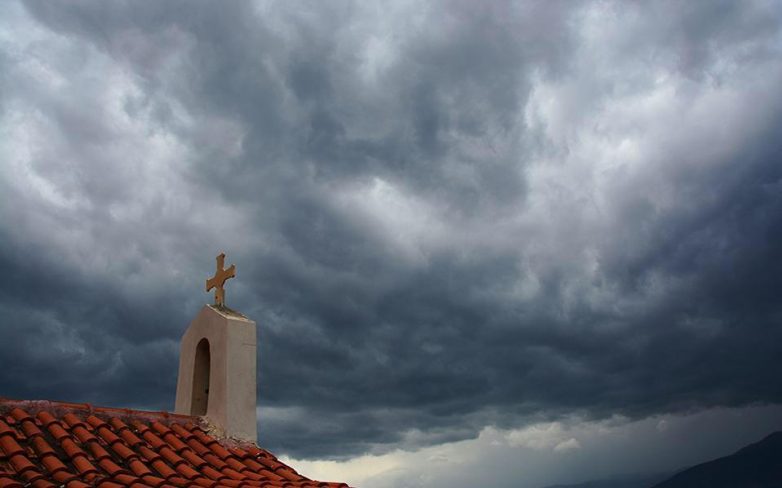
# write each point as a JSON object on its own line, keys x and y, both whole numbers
{"x": 51, "y": 444}
{"x": 56, "y": 430}
{"x": 139, "y": 468}
{"x": 123, "y": 451}
{"x": 98, "y": 452}
{"x": 53, "y": 464}
{"x": 153, "y": 481}
{"x": 109, "y": 484}
{"x": 84, "y": 466}
{"x": 164, "y": 469}
{"x": 63, "y": 477}
{"x": 215, "y": 461}
{"x": 199, "y": 448}
{"x": 71, "y": 449}
{"x": 10, "y": 446}
{"x": 236, "y": 464}
{"x": 193, "y": 458}
{"x": 111, "y": 467}
{"x": 186, "y": 471}
{"x": 42, "y": 483}
{"x": 7, "y": 482}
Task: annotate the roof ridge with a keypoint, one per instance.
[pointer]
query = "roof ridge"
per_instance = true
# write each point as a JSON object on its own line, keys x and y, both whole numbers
{"x": 38, "y": 405}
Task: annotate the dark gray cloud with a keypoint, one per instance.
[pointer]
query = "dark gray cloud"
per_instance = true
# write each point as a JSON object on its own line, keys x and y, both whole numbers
{"x": 444, "y": 216}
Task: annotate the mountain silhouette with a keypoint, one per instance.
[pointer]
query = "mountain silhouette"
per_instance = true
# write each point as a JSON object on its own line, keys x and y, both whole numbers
{"x": 757, "y": 465}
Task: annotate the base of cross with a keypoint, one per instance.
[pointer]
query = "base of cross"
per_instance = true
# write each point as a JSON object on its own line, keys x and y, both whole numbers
{"x": 226, "y": 310}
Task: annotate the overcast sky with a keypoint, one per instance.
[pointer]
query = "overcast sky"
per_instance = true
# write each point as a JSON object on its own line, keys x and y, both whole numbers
{"x": 531, "y": 242}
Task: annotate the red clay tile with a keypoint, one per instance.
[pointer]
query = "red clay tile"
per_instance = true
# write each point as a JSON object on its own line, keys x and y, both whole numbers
{"x": 56, "y": 430}
{"x": 83, "y": 465}
{"x": 53, "y": 464}
{"x": 98, "y": 452}
{"x": 71, "y": 449}
{"x": 174, "y": 441}
{"x": 170, "y": 456}
{"x": 73, "y": 420}
{"x": 288, "y": 473}
{"x": 7, "y": 482}
{"x": 30, "y": 429}
{"x": 130, "y": 438}
{"x": 215, "y": 461}
{"x": 181, "y": 431}
{"x": 236, "y": 464}
{"x": 219, "y": 450}
{"x": 125, "y": 479}
{"x": 162, "y": 468}
{"x": 139, "y": 468}
{"x": 77, "y": 484}
{"x": 192, "y": 458}
{"x": 203, "y": 438}
{"x": 270, "y": 474}
{"x": 118, "y": 424}
{"x": 178, "y": 481}
{"x": 239, "y": 452}
{"x": 232, "y": 473}
{"x": 109, "y": 484}
{"x": 41, "y": 446}
{"x": 272, "y": 464}
{"x": 6, "y": 429}
{"x": 111, "y": 467}
{"x": 157, "y": 450}
{"x": 42, "y": 483}
{"x": 148, "y": 453}
{"x": 186, "y": 471}
{"x": 63, "y": 477}
{"x": 199, "y": 448}
{"x": 159, "y": 428}
{"x": 212, "y": 473}
{"x": 153, "y": 481}
{"x": 253, "y": 465}
{"x": 20, "y": 463}
{"x": 123, "y": 451}
{"x": 257, "y": 476}
{"x": 10, "y": 446}
{"x": 153, "y": 440}
{"x": 45, "y": 418}
{"x": 31, "y": 475}
{"x": 107, "y": 435}
{"x": 95, "y": 422}
{"x": 206, "y": 482}
{"x": 19, "y": 414}
{"x": 253, "y": 451}
{"x": 83, "y": 434}
{"x": 232, "y": 483}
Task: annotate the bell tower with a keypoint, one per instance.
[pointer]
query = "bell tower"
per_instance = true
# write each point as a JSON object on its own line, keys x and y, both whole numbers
{"x": 217, "y": 366}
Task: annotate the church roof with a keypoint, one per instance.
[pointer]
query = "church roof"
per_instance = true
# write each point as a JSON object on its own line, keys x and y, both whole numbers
{"x": 47, "y": 444}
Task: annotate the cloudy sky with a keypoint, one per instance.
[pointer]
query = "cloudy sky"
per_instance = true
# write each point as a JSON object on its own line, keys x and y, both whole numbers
{"x": 525, "y": 242}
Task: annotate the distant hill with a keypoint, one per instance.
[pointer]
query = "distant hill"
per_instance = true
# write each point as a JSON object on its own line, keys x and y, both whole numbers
{"x": 758, "y": 465}
{"x": 639, "y": 481}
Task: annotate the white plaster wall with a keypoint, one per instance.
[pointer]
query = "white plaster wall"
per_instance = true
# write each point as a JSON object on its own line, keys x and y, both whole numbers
{"x": 232, "y": 381}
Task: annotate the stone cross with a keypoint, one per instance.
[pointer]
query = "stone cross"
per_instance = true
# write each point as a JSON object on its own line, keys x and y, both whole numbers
{"x": 218, "y": 280}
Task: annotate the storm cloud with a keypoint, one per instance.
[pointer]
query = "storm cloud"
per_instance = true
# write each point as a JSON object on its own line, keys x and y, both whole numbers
{"x": 444, "y": 216}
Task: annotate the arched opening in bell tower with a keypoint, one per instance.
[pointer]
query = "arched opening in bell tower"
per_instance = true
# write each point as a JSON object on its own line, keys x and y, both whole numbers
{"x": 200, "y": 400}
